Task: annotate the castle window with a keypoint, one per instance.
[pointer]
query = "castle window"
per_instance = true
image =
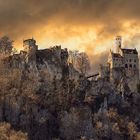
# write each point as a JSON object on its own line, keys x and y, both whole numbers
{"x": 134, "y": 66}
{"x": 126, "y": 66}
{"x": 130, "y": 65}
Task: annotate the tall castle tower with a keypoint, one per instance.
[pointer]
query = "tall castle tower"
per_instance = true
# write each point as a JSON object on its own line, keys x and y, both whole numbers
{"x": 30, "y": 48}
{"x": 118, "y": 44}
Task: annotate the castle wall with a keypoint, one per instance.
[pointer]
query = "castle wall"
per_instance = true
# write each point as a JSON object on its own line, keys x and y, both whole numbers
{"x": 131, "y": 61}
{"x": 117, "y": 62}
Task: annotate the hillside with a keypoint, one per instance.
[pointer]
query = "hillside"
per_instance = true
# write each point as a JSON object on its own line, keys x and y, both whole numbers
{"x": 50, "y": 100}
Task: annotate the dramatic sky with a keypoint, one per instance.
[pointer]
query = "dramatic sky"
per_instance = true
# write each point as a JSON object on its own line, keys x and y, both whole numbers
{"x": 87, "y": 25}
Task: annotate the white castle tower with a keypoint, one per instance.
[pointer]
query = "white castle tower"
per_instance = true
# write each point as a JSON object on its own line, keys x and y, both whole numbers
{"x": 118, "y": 44}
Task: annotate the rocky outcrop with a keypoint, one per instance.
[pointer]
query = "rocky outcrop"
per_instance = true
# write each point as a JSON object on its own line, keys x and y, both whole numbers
{"x": 44, "y": 100}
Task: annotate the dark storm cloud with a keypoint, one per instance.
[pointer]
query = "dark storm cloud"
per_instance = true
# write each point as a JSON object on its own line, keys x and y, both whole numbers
{"x": 18, "y": 16}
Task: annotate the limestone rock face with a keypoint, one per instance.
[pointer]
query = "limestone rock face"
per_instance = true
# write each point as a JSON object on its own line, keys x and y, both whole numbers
{"x": 40, "y": 113}
{"x": 50, "y": 100}
{"x": 100, "y": 88}
{"x": 121, "y": 77}
{"x": 52, "y": 61}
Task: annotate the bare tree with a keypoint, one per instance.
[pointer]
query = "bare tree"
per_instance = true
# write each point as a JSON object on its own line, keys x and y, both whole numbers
{"x": 7, "y": 133}
{"x": 82, "y": 63}
{"x": 6, "y": 45}
{"x": 72, "y": 56}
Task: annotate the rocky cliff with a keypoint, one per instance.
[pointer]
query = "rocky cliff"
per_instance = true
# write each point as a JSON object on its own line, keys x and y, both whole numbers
{"x": 44, "y": 100}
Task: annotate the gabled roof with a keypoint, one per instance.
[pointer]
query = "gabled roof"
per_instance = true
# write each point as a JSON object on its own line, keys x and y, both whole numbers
{"x": 129, "y": 51}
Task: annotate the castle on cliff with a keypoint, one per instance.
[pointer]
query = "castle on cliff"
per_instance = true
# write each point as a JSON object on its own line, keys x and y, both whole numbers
{"x": 121, "y": 70}
{"x": 122, "y": 67}
{"x": 122, "y": 57}
{"x": 51, "y": 61}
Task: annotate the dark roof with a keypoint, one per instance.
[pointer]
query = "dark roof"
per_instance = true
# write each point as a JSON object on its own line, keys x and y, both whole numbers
{"x": 129, "y": 51}
{"x": 116, "y": 55}
{"x": 29, "y": 40}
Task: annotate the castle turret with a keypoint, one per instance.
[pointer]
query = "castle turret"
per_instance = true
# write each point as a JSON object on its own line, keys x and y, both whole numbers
{"x": 118, "y": 44}
{"x": 30, "y": 48}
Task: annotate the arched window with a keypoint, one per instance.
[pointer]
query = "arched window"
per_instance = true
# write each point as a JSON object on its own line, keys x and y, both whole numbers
{"x": 130, "y": 65}
{"x": 126, "y": 66}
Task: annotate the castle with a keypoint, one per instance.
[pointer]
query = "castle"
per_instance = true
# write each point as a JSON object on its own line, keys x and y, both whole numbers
{"x": 51, "y": 61}
{"x": 122, "y": 57}
{"x": 122, "y": 67}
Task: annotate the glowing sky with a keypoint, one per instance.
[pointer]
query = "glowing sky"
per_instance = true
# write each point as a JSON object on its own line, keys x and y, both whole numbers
{"x": 87, "y": 25}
